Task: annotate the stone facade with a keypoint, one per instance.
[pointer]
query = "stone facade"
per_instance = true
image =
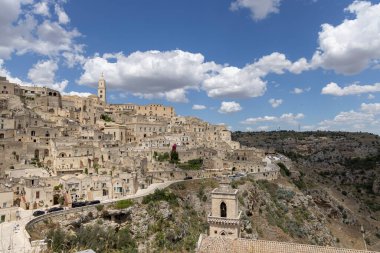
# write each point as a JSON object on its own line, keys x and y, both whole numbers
{"x": 224, "y": 219}
{"x": 58, "y": 149}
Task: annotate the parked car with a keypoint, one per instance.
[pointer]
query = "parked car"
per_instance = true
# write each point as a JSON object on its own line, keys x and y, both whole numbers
{"x": 93, "y": 202}
{"x": 188, "y": 178}
{"x": 55, "y": 209}
{"x": 38, "y": 213}
{"x": 78, "y": 204}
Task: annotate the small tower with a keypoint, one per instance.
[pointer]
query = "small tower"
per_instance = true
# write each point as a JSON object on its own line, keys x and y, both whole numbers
{"x": 224, "y": 219}
{"x": 102, "y": 89}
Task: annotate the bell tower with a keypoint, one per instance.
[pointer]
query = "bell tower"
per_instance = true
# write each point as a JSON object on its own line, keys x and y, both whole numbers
{"x": 102, "y": 89}
{"x": 224, "y": 219}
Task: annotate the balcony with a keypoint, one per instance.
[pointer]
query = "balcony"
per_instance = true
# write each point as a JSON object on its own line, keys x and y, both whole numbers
{"x": 223, "y": 220}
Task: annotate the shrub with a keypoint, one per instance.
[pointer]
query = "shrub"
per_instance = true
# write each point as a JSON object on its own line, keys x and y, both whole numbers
{"x": 195, "y": 164}
{"x": 122, "y": 204}
{"x": 99, "y": 208}
{"x": 161, "y": 195}
{"x": 106, "y": 118}
{"x": 284, "y": 170}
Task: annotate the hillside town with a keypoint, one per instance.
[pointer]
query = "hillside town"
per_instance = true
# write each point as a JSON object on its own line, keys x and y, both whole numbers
{"x": 58, "y": 149}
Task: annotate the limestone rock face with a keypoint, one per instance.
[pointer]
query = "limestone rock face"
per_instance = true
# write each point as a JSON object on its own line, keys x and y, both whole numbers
{"x": 376, "y": 186}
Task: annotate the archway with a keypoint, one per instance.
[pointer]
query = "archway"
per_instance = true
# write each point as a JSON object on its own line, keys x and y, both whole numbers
{"x": 223, "y": 210}
{"x": 36, "y": 154}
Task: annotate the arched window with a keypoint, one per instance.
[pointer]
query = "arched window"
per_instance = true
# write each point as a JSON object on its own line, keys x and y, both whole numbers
{"x": 1, "y": 136}
{"x": 223, "y": 210}
{"x": 33, "y": 133}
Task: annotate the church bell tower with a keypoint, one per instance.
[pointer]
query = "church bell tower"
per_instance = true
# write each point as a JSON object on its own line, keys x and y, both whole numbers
{"x": 102, "y": 89}
{"x": 224, "y": 219}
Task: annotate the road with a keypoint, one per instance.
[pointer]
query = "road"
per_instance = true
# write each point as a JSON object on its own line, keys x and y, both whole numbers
{"x": 13, "y": 236}
{"x": 15, "y": 239}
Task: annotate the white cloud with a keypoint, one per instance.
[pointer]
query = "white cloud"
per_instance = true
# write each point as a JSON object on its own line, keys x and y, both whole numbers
{"x": 370, "y": 96}
{"x": 171, "y": 74}
{"x": 233, "y": 82}
{"x": 353, "y": 89}
{"x": 354, "y": 44}
{"x": 31, "y": 28}
{"x": 199, "y": 107}
{"x": 263, "y": 128}
{"x": 229, "y": 107}
{"x": 297, "y": 91}
{"x": 75, "y": 93}
{"x": 275, "y": 102}
{"x": 370, "y": 108}
{"x": 43, "y": 72}
{"x": 288, "y": 118}
{"x": 62, "y": 16}
{"x": 41, "y": 8}
{"x": 149, "y": 74}
{"x": 259, "y": 9}
{"x": 367, "y": 118}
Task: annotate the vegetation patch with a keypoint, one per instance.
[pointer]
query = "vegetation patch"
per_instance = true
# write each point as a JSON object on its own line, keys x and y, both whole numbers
{"x": 122, "y": 204}
{"x": 96, "y": 237}
{"x": 106, "y": 118}
{"x": 195, "y": 164}
{"x": 161, "y": 195}
{"x": 284, "y": 170}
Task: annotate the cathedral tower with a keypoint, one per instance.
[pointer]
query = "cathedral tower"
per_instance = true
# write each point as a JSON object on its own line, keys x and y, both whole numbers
{"x": 224, "y": 219}
{"x": 102, "y": 89}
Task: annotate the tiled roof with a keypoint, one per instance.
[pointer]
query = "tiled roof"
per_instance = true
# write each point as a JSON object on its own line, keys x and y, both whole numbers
{"x": 224, "y": 245}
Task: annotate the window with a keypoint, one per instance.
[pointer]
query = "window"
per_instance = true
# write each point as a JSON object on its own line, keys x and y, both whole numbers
{"x": 223, "y": 210}
{"x": 37, "y": 194}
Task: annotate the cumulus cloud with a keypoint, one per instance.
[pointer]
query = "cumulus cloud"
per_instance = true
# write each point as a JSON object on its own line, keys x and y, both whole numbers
{"x": 43, "y": 72}
{"x": 263, "y": 128}
{"x": 275, "y": 102}
{"x": 171, "y": 74}
{"x": 233, "y": 82}
{"x": 149, "y": 74}
{"x": 353, "y": 89}
{"x": 37, "y": 76}
{"x": 288, "y": 118}
{"x": 259, "y": 9}
{"x": 199, "y": 107}
{"x": 297, "y": 91}
{"x": 367, "y": 118}
{"x": 371, "y": 108}
{"x": 229, "y": 107}
{"x": 62, "y": 16}
{"x": 353, "y": 45}
{"x": 75, "y": 93}
{"x": 246, "y": 82}
{"x": 41, "y": 8}
{"x": 28, "y": 27}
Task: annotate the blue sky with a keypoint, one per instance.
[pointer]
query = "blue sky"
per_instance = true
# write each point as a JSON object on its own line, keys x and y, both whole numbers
{"x": 250, "y": 64}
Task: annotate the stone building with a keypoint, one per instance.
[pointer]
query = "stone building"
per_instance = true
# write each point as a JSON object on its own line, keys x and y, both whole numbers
{"x": 224, "y": 231}
{"x": 224, "y": 219}
{"x": 102, "y": 89}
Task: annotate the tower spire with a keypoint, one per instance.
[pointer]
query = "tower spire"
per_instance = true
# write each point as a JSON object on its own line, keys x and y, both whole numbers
{"x": 102, "y": 88}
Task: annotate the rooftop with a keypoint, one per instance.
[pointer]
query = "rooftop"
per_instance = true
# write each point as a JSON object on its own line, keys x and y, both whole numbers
{"x": 222, "y": 245}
